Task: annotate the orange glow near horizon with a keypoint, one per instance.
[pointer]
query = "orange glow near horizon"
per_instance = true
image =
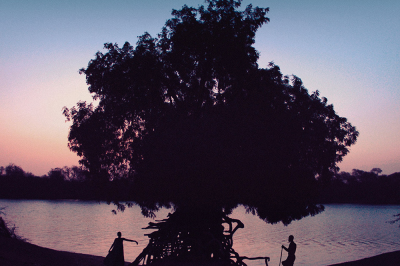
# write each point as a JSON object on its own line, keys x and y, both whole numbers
{"x": 351, "y": 61}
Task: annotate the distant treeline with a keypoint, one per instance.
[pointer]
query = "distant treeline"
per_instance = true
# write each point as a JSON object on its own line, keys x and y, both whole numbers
{"x": 362, "y": 187}
{"x": 60, "y": 183}
{"x": 74, "y": 183}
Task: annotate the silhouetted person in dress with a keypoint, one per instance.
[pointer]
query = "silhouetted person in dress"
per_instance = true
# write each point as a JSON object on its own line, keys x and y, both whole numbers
{"x": 291, "y": 250}
{"x": 115, "y": 255}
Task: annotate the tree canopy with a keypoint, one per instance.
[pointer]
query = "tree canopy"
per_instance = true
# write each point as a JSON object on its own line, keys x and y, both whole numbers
{"x": 193, "y": 121}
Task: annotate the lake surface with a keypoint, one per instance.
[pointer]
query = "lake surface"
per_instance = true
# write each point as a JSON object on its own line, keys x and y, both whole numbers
{"x": 341, "y": 233}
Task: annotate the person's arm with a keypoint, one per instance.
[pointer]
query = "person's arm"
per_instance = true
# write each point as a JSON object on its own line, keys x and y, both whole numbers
{"x": 131, "y": 241}
{"x": 111, "y": 246}
{"x": 284, "y": 248}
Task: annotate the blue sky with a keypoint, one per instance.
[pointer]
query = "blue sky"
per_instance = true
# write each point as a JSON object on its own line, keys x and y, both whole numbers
{"x": 349, "y": 50}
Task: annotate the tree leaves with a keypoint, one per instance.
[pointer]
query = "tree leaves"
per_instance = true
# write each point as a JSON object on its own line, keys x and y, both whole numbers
{"x": 192, "y": 119}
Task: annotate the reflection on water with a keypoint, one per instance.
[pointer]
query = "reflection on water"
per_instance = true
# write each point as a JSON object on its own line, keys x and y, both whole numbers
{"x": 78, "y": 226}
{"x": 341, "y": 233}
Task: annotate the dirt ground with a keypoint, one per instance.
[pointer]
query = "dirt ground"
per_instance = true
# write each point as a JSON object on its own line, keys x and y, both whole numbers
{"x": 18, "y": 253}
{"x": 387, "y": 259}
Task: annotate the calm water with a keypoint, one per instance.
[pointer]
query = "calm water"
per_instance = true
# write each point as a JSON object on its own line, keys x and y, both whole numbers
{"x": 341, "y": 233}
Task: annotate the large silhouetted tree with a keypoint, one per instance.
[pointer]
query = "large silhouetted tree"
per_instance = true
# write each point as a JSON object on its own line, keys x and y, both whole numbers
{"x": 193, "y": 121}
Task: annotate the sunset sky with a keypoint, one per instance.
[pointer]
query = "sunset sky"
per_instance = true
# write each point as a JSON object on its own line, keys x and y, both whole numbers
{"x": 349, "y": 50}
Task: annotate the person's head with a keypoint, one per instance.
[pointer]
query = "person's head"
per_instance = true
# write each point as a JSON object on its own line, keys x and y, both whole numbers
{"x": 291, "y": 238}
{"x": 119, "y": 234}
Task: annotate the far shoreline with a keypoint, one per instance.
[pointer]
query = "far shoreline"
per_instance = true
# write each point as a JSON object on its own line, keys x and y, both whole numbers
{"x": 15, "y": 252}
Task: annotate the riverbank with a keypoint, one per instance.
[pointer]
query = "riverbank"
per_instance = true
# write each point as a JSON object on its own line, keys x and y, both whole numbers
{"x": 15, "y": 252}
{"x": 18, "y": 253}
{"x": 386, "y": 259}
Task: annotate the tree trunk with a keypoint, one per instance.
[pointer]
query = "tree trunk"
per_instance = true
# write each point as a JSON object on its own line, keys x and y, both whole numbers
{"x": 192, "y": 237}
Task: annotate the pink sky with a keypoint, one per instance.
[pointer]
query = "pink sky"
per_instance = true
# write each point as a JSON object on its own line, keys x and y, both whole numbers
{"x": 348, "y": 50}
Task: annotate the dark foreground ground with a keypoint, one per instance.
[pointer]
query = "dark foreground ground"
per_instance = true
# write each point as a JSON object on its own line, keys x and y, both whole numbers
{"x": 386, "y": 259}
{"x": 17, "y": 253}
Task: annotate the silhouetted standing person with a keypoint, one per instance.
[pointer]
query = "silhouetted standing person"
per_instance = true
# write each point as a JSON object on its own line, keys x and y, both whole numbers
{"x": 115, "y": 255}
{"x": 291, "y": 250}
